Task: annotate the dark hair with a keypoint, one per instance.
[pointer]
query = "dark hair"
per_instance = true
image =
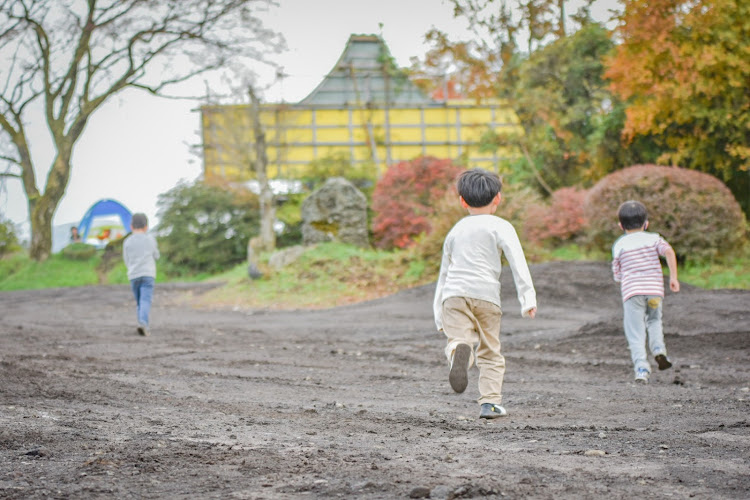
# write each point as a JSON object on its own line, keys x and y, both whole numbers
{"x": 139, "y": 221}
{"x": 478, "y": 187}
{"x": 632, "y": 214}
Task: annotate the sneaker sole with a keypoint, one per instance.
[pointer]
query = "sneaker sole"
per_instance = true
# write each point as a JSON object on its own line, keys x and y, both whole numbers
{"x": 459, "y": 375}
{"x": 492, "y": 415}
{"x": 663, "y": 362}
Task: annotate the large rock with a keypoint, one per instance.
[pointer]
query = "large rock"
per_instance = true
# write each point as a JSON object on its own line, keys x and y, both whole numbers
{"x": 335, "y": 212}
{"x": 286, "y": 256}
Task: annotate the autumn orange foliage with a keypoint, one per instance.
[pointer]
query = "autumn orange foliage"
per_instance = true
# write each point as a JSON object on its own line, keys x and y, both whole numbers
{"x": 683, "y": 66}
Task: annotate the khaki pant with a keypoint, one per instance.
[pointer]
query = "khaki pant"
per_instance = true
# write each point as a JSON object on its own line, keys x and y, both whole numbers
{"x": 473, "y": 321}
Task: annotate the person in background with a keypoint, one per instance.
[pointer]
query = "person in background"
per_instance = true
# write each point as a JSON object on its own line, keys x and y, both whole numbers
{"x": 75, "y": 237}
{"x": 636, "y": 266}
{"x": 140, "y": 253}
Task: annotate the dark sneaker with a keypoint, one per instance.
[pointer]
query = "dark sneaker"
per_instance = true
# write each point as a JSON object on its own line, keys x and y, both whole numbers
{"x": 490, "y": 410}
{"x": 459, "y": 375}
{"x": 143, "y": 331}
{"x": 663, "y": 361}
{"x": 642, "y": 376}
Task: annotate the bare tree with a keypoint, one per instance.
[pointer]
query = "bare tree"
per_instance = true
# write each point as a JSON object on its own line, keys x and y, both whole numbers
{"x": 73, "y": 55}
{"x": 260, "y": 164}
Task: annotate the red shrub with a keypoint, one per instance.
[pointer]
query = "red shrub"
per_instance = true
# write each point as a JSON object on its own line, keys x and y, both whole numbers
{"x": 404, "y": 199}
{"x": 559, "y": 220}
{"x": 693, "y": 210}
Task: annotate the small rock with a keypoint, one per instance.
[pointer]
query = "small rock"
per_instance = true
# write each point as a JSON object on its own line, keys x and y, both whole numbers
{"x": 419, "y": 492}
{"x": 39, "y": 452}
{"x": 745, "y": 389}
{"x": 365, "y": 485}
{"x": 595, "y": 453}
{"x": 441, "y": 492}
{"x": 602, "y": 435}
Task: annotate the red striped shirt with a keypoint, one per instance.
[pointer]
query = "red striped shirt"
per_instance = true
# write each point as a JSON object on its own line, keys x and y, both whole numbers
{"x": 636, "y": 264}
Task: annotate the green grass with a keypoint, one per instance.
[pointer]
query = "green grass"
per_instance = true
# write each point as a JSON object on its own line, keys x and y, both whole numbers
{"x": 19, "y": 272}
{"x": 325, "y": 275}
{"x": 730, "y": 273}
{"x": 734, "y": 273}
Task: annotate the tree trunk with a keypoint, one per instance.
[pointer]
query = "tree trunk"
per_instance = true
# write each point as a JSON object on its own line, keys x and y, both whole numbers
{"x": 42, "y": 208}
{"x": 41, "y": 232}
{"x": 260, "y": 164}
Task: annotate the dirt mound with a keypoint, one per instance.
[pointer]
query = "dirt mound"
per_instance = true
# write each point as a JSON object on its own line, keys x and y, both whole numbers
{"x": 354, "y": 401}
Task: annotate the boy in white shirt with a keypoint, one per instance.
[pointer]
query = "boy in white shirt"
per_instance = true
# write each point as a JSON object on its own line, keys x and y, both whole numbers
{"x": 636, "y": 266}
{"x": 467, "y": 296}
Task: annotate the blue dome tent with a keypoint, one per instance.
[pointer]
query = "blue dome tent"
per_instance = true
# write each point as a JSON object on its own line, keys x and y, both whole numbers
{"x": 106, "y": 220}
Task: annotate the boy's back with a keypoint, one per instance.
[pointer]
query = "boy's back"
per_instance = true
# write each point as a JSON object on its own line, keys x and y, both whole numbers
{"x": 467, "y": 296}
{"x": 472, "y": 261}
{"x": 140, "y": 252}
{"x": 636, "y": 264}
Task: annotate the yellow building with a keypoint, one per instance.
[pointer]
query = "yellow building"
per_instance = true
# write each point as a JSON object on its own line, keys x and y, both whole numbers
{"x": 365, "y": 111}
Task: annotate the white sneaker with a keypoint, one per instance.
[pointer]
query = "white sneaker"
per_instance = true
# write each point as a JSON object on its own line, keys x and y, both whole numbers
{"x": 642, "y": 375}
{"x": 490, "y": 410}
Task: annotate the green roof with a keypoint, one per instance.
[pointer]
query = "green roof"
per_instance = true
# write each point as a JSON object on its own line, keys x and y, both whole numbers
{"x": 366, "y": 75}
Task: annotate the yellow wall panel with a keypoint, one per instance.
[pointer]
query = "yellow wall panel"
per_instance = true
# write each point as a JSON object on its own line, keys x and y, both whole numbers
{"x": 437, "y": 116}
{"x": 404, "y": 116}
{"x": 296, "y": 136}
{"x": 406, "y": 135}
{"x": 333, "y": 135}
{"x": 331, "y": 117}
{"x": 406, "y": 153}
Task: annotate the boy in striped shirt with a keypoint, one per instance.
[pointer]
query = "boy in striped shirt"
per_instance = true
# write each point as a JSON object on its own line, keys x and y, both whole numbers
{"x": 636, "y": 266}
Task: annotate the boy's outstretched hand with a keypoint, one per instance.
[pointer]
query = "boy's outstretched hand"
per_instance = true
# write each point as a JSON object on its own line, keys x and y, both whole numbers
{"x": 532, "y": 312}
{"x": 674, "y": 285}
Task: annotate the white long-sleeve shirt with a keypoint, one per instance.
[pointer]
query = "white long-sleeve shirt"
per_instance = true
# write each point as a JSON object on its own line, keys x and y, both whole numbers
{"x": 471, "y": 263}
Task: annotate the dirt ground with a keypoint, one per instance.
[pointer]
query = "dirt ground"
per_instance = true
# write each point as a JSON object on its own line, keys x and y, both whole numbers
{"x": 354, "y": 402}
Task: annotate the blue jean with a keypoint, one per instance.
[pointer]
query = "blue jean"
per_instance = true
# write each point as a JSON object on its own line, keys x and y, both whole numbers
{"x": 642, "y": 320}
{"x": 143, "y": 290}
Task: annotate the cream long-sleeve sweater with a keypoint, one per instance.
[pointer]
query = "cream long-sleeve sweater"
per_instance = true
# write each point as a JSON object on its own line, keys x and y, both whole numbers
{"x": 471, "y": 264}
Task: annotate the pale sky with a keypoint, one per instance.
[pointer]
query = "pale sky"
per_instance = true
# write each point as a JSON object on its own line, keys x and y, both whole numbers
{"x": 137, "y": 146}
